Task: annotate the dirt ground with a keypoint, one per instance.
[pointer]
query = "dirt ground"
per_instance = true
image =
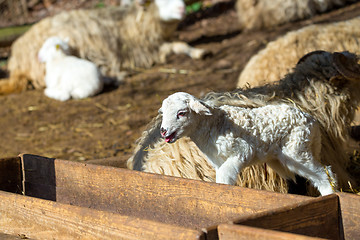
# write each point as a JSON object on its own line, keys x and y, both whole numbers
{"x": 108, "y": 124}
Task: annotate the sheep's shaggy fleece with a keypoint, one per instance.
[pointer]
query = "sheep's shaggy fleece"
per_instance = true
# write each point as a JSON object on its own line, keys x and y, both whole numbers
{"x": 324, "y": 84}
{"x": 257, "y": 14}
{"x": 115, "y": 39}
{"x": 333, "y": 37}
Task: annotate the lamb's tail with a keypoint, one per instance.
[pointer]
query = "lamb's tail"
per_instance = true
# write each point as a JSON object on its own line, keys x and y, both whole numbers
{"x": 148, "y": 139}
{"x": 14, "y": 84}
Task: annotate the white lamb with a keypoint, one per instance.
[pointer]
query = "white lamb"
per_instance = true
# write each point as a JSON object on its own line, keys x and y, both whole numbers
{"x": 232, "y": 138}
{"x": 68, "y": 76}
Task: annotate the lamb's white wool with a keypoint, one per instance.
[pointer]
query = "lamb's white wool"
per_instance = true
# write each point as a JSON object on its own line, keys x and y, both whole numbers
{"x": 232, "y": 138}
{"x": 68, "y": 76}
{"x": 173, "y": 10}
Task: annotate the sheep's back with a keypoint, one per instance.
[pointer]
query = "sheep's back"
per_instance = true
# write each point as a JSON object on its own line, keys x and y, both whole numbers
{"x": 264, "y": 14}
{"x": 341, "y": 36}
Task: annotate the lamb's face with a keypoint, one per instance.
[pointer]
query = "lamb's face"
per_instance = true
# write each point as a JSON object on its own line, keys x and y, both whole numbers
{"x": 171, "y": 10}
{"x": 51, "y": 48}
{"x": 175, "y": 117}
{"x": 180, "y": 112}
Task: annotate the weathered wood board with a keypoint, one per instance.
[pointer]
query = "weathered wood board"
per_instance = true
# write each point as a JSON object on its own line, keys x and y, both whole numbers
{"x": 183, "y": 202}
{"x": 42, "y": 219}
{"x": 239, "y": 232}
{"x": 350, "y": 214}
{"x": 319, "y": 217}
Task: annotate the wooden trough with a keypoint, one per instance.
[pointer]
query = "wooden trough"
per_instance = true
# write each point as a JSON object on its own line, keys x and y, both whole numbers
{"x": 43, "y": 198}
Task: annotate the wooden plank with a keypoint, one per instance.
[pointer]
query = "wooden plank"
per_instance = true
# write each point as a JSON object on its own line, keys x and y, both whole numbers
{"x": 10, "y": 175}
{"x": 39, "y": 177}
{"x": 182, "y": 202}
{"x": 43, "y": 219}
{"x": 350, "y": 212}
{"x": 112, "y": 162}
{"x": 239, "y": 232}
{"x": 318, "y": 217}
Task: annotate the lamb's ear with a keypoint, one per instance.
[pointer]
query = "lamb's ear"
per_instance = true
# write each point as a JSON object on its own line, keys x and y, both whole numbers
{"x": 199, "y": 107}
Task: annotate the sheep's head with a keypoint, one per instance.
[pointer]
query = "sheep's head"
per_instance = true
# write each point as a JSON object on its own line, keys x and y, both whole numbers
{"x": 339, "y": 67}
{"x": 179, "y": 115}
{"x": 347, "y": 64}
{"x": 53, "y": 46}
{"x": 171, "y": 10}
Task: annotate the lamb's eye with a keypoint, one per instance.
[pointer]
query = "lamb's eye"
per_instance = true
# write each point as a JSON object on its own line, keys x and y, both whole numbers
{"x": 181, "y": 114}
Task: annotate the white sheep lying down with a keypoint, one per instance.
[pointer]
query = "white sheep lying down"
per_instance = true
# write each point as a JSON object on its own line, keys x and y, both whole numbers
{"x": 68, "y": 76}
{"x": 232, "y": 138}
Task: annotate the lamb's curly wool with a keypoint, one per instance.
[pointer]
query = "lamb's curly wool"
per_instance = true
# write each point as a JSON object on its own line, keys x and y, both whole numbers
{"x": 234, "y": 137}
{"x": 264, "y": 13}
{"x": 317, "y": 85}
{"x": 333, "y": 37}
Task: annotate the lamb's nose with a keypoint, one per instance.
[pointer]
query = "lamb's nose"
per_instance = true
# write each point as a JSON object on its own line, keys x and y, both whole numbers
{"x": 163, "y": 131}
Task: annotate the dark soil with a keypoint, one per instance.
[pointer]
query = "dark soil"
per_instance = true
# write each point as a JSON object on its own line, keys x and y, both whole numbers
{"x": 108, "y": 124}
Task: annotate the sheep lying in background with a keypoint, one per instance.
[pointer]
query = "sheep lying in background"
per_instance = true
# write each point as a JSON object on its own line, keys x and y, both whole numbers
{"x": 341, "y": 36}
{"x": 233, "y": 137}
{"x": 264, "y": 13}
{"x": 115, "y": 39}
{"x": 323, "y": 84}
{"x": 68, "y": 76}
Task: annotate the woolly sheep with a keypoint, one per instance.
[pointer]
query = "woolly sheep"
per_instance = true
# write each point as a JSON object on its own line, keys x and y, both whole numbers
{"x": 264, "y": 13}
{"x": 341, "y": 36}
{"x": 234, "y": 137}
{"x": 323, "y": 84}
{"x": 68, "y": 76}
{"x": 115, "y": 39}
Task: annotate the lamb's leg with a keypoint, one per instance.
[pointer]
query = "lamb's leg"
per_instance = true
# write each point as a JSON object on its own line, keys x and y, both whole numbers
{"x": 305, "y": 165}
{"x": 181, "y": 48}
{"x": 227, "y": 173}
